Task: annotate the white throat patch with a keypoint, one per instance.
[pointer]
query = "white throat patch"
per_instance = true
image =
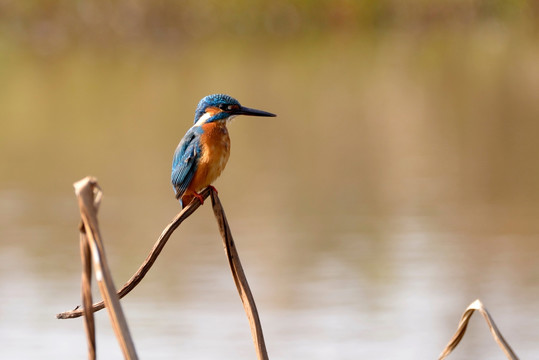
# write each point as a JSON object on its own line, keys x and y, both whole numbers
{"x": 206, "y": 116}
{"x": 203, "y": 119}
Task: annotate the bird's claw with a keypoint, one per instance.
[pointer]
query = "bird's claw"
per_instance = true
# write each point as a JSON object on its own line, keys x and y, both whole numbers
{"x": 199, "y": 197}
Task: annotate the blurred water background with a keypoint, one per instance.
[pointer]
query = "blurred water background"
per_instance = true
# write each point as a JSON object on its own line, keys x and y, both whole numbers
{"x": 398, "y": 183}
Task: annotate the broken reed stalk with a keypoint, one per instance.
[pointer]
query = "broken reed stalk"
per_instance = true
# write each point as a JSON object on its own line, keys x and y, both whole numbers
{"x": 234, "y": 262}
{"x": 463, "y": 324}
{"x": 89, "y": 197}
{"x": 86, "y": 290}
{"x": 148, "y": 262}
{"x": 239, "y": 278}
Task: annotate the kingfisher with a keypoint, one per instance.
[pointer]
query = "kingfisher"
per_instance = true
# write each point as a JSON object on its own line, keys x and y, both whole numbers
{"x": 204, "y": 150}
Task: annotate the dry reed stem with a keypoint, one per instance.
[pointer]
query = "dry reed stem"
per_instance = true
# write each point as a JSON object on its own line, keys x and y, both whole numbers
{"x": 477, "y": 305}
{"x": 89, "y": 196}
{"x": 86, "y": 289}
{"x": 150, "y": 259}
{"x": 239, "y": 278}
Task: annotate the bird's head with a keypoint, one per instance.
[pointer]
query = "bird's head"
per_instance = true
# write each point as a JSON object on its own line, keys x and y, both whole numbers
{"x": 220, "y": 107}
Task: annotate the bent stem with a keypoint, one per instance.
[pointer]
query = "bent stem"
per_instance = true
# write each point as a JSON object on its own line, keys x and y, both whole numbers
{"x": 239, "y": 278}
{"x": 463, "y": 324}
{"x": 89, "y": 196}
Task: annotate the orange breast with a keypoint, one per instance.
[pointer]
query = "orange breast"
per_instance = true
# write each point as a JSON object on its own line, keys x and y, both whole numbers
{"x": 215, "y": 152}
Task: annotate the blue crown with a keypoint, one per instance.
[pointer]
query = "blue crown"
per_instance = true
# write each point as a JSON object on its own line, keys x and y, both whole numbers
{"x": 213, "y": 100}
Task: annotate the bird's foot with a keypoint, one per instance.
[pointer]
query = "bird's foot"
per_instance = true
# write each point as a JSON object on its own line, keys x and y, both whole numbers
{"x": 213, "y": 189}
{"x": 199, "y": 197}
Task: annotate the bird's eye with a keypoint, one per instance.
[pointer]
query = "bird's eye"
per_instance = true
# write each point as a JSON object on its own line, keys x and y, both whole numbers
{"x": 224, "y": 107}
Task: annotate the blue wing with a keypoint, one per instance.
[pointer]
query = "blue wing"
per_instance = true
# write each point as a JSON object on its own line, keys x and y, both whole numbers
{"x": 185, "y": 161}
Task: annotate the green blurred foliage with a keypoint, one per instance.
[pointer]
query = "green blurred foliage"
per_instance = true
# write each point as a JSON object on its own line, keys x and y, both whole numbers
{"x": 54, "y": 25}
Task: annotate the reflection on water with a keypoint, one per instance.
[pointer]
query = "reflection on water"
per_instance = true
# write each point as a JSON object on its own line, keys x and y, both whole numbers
{"x": 398, "y": 184}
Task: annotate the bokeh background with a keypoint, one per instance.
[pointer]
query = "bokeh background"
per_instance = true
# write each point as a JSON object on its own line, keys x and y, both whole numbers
{"x": 398, "y": 183}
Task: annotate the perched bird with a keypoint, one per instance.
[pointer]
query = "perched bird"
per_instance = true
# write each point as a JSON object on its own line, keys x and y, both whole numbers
{"x": 203, "y": 152}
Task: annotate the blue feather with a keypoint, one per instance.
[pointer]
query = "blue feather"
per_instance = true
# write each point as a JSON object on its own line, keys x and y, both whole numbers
{"x": 185, "y": 161}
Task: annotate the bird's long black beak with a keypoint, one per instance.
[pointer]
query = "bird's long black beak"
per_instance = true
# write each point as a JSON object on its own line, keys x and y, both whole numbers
{"x": 252, "y": 112}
